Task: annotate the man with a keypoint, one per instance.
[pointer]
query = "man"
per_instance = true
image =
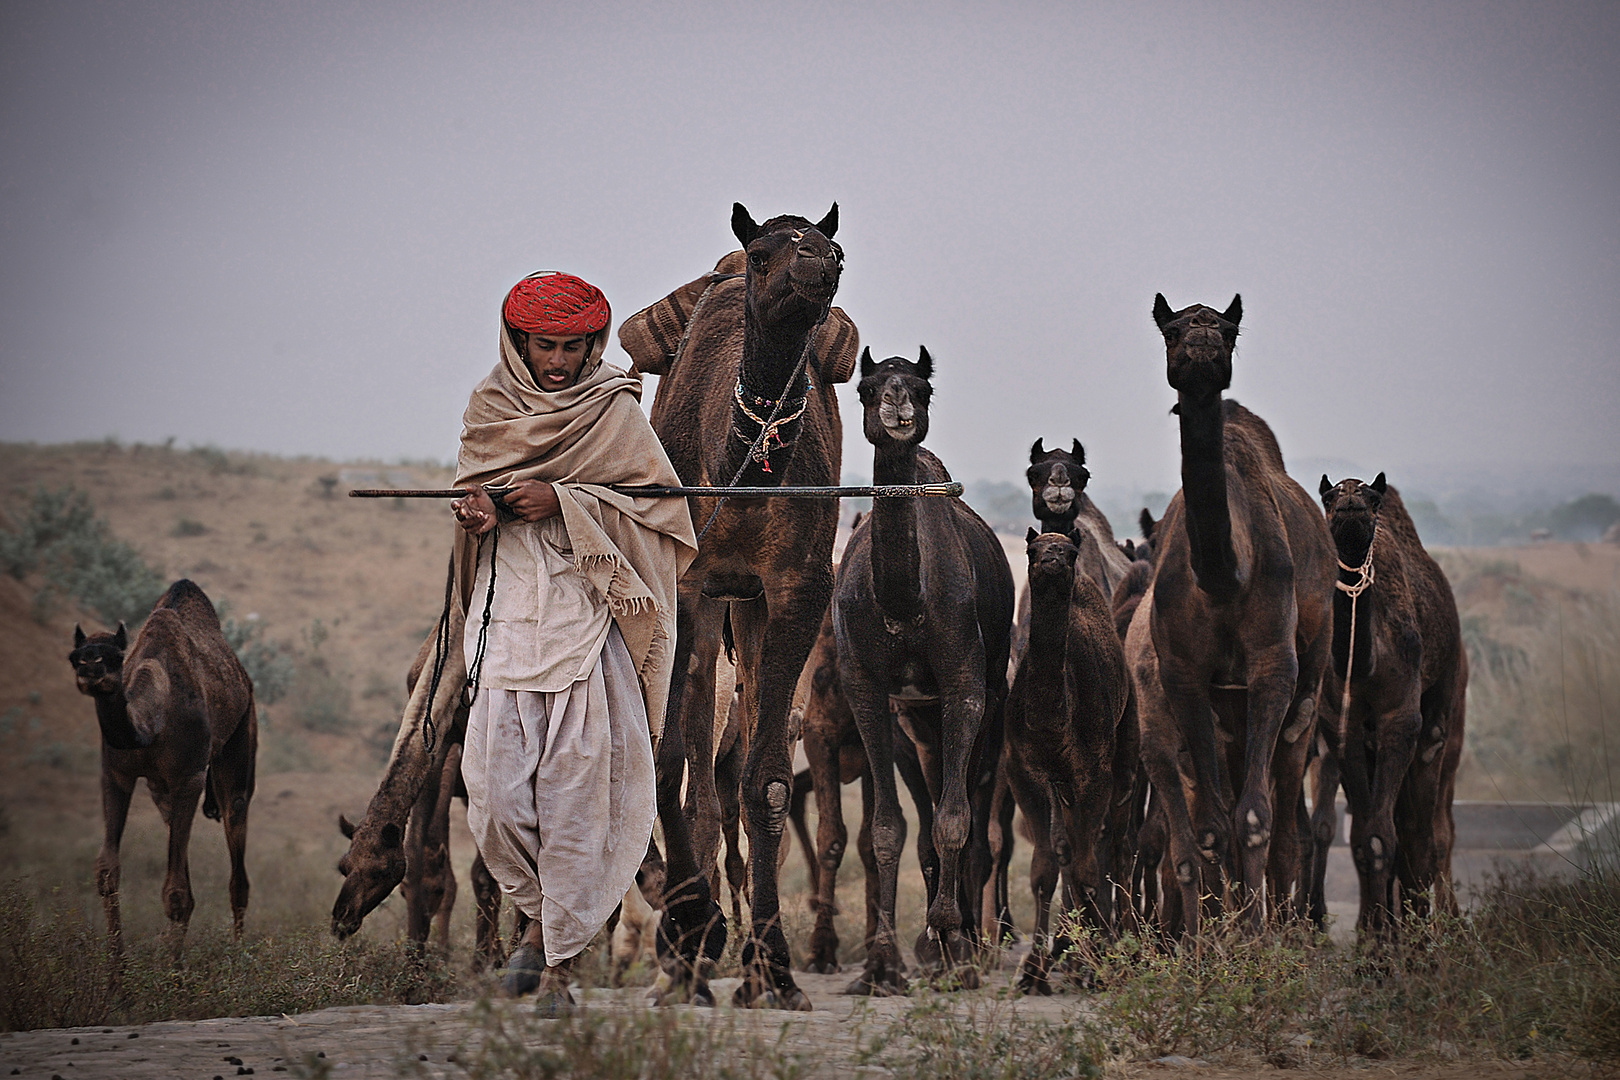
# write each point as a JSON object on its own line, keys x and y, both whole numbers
{"x": 570, "y": 632}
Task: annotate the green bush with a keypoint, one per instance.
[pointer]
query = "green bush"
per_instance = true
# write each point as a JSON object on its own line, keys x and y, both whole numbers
{"x": 268, "y": 663}
{"x": 60, "y": 538}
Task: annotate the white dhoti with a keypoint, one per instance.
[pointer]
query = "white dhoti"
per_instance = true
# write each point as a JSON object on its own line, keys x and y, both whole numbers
{"x": 562, "y": 795}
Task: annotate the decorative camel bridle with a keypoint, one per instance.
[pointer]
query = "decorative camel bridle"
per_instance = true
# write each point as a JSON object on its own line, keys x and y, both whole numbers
{"x": 1354, "y": 589}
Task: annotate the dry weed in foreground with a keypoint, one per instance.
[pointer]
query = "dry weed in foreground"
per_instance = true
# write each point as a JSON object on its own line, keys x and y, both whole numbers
{"x": 511, "y": 1041}
{"x": 55, "y": 968}
{"x": 958, "y": 1037}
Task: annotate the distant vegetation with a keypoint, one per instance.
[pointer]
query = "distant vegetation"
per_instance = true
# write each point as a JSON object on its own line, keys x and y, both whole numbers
{"x": 60, "y": 538}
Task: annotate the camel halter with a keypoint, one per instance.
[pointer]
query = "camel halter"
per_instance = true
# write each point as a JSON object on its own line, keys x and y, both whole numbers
{"x": 441, "y": 643}
{"x": 1354, "y": 591}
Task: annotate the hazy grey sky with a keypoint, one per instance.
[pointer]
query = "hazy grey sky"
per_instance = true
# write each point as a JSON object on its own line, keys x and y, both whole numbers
{"x": 288, "y": 227}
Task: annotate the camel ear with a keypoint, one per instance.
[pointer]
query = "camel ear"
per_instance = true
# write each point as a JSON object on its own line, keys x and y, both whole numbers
{"x": 925, "y": 363}
{"x": 742, "y": 224}
{"x": 1037, "y": 451}
{"x": 867, "y": 367}
{"x": 78, "y": 637}
{"x": 1379, "y": 485}
{"x": 389, "y": 835}
{"x": 1161, "y": 310}
{"x": 828, "y": 225}
{"x": 1147, "y": 523}
{"x": 1234, "y": 311}
{"x": 345, "y": 826}
{"x": 1325, "y": 487}
{"x": 1129, "y": 548}
{"x": 121, "y": 637}
{"x": 1029, "y": 537}
{"x": 1078, "y": 452}
{"x": 1077, "y": 538}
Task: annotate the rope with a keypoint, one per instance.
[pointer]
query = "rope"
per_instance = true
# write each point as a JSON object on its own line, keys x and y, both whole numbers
{"x": 768, "y": 427}
{"x": 441, "y": 640}
{"x": 1354, "y": 591}
{"x": 470, "y": 690}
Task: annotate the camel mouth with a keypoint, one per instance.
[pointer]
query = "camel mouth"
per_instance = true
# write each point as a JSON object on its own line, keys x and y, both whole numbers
{"x": 902, "y": 430}
{"x": 97, "y": 685}
{"x": 1059, "y": 502}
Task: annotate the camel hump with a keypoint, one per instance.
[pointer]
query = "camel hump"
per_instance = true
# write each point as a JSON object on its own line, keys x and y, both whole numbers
{"x": 147, "y": 693}
{"x": 931, "y": 470}
{"x": 187, "y": 599}
{"x": 1240, "y": 421}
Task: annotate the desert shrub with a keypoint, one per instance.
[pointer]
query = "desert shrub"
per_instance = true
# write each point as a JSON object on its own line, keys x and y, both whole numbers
{"x": 188, "y": 527}
{"x": 56, "y": 970}
{"x": 618, "y": 1045}
{"x": 60, "y": 538}
{"x": 268, "y": 663}
{"x": 320, "y": 693}
{"x": 981, "y": 1039}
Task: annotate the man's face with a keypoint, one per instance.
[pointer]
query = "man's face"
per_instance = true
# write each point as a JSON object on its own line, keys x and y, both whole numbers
{"x": 555, "y": 361}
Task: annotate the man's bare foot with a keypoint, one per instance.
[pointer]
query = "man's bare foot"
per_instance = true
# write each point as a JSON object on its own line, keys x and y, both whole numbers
{"x": 555, "y": 1000}
{"x": 525, "y": 967}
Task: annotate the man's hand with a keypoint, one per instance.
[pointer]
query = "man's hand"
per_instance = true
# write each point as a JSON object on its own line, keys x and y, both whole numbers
{"x": 533, "y": 500}
{"x": 475, "y": 512}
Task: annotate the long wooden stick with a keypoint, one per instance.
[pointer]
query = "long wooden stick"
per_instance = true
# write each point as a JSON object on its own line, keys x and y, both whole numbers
{"x": 869, "y": 491}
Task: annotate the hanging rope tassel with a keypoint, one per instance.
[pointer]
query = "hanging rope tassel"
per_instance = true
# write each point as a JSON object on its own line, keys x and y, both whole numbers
{"x": 1354, "y": 590}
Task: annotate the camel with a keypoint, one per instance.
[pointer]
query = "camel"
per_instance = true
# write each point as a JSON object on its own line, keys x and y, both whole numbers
{"x": 922, "y": 615}
{"x": 1057, "y": 482}
{"x": 404, "y": 836}
{"x": 1399, "y": 745}
{"x": 1230, "y": 641}
{"x": 1071, "y": 735}
{"x": 177, "y": 709}
{"x": 748, "y": 350}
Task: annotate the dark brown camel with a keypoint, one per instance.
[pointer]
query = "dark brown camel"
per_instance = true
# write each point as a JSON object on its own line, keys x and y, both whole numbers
{"x": 923, "y": 616}
{"x": 1072, "y": 744}
{"x": 1400, "y": 743}
{"x": 1057, "y": 483}
{"x": 770, "y": 560}
{"x": 1230, "y": 642}
{"x": 178, "y": 710}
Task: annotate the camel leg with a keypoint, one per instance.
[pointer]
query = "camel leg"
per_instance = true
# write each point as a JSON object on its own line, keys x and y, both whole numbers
{"x": 869, "y": 700}
{"x": 863, "y": 844}
{"x": 232, "y": 774}
{"x": 1324, "y": 826}
{"x": 1151, "y": 841}
{"x": 998, "y": 906}
{"x": 1288, "y": 786}
{"x": 1273, "y": 682}
{"x": 727, "y": 782}
{"x": 1043, "y": 879}
{"x": 1374, "y": 838}
{"x": 116, "y": 791}
{"x": 978, "y": 886}
{"x": 962, "y": 708}
{"x": 1188, "y": 702}
{"x": 1186, "y": 857}
{"x": 803, "y": 788}
{"x": 919, "y": 771}
{"x": 703, "y": 800}
{"x": 692, "y": 933}
{"x": 487, "y": 919}
{"x": 774, "y": 639}
{"x": 1124, "y": 812}
{"x": 831, "y": 839}
{"x": 178, "y": 901}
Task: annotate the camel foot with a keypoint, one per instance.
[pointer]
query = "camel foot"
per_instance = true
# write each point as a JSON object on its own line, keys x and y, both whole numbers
{"x": 683, "y": 992}
{"x": 823, "y": 967}
{"x": 823, "y": 951}
{"x": 555, "y": 1004}
{"x": 752, "y": 995}
{"x": 880, "y": 981}
{"x": 522, "y": 972}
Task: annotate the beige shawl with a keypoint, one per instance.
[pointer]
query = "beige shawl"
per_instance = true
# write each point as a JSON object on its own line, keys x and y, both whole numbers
{"x": 632, "y": 550}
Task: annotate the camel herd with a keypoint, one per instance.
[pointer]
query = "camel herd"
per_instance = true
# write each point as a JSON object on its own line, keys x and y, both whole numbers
{"x": 1155, "y": 709}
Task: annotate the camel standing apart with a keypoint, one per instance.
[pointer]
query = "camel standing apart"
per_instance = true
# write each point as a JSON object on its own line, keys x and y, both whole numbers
{"x": 177, "y": 710}
{"x": 1072, "y": 744}
{"x": 922, "y": 614}
{"x": 1230, "y": 642}
{"x": 1401, "y": 741}
{"x": 770, "y": 560}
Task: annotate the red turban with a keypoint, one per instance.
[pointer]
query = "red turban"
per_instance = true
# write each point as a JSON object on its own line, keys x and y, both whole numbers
{"x": 550, "y": 302}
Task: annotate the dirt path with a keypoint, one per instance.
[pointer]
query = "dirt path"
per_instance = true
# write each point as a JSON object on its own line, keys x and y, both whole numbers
{"x": 440, "y": 1040}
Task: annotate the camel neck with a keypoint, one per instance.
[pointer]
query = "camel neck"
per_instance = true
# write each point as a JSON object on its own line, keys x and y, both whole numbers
{"x": 1203, "y": 487}
{"x": 1048, "y": 627}
{"x": 112, "y": 715}
{"x": 896, "y": 578}
{"x": 771, "y": 353}
{"x": 761, "y": 450}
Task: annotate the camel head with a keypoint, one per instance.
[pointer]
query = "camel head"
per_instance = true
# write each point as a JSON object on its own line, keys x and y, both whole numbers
{"x": 793, "y": 265}
{"x": 1056, "y": 479}
{"x": 1052, "y": 557}
{"x": 894, "y": 398}
{"x": 98, "y": 661}
{"x": 372, "y": 867}
{"x": 1198, "y": 343}
{"x": 1352, "y": 514}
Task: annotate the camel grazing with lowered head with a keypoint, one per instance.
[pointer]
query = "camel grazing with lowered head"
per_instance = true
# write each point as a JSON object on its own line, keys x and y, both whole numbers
{"x": 177, "y": 709}
{"x": 748, "y": 348}
{"x": 1229, "y": 644}
{"x": 1399, "y": 745}
{"x": 922, "y": 614}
